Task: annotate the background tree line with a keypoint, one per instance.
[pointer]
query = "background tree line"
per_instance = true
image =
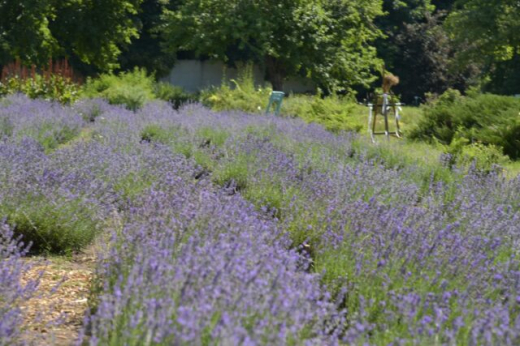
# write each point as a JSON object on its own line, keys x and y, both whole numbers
{"x": 342, "y": 45}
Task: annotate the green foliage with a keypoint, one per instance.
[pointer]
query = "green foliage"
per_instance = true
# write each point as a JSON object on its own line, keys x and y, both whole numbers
{"x": 324, "y": 40}
{"x": 479, "y": 118}
{"x": 92, "y": 31}
{"x": 226, "y": 98}
{"x": 490, "y": 26}
{"x": 145, "y": 50}
{"x": 335, "y": 113}
{"x": 464, "y": 154}
{"x": 173, "y": 94}
{"x": 154, "y": 133}
{"x": 486, "y": 33}
{"x": 50, "y": 138}
{"x": 52, "y": 227}
{"x": 51, "y": 88}
{"x": 419, "y": 50}
{"x": 170, "y": 136}
{"x": 503, "y": 77}
{"x": 399, "y": 14}
{"x": 233, "y": 173}
{"x": 132, "y": 185}
{"x": 132, "y": 89}
{"x": 240, "y": 95}
{"x": 6, "y": 127}
{"x": 50, "y": 135}
{"x": 212, "y": 136}
{"x": 485, "y": 158}
{"x": 424, "y": 60}
{"x": 25, "y": 31}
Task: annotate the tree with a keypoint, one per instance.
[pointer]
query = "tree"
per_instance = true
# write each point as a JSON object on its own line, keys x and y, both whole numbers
{"x": 418, "y": 49}
{"x": 146, "y": 51}
{"x": 93, "y": 31}
{"x": 425, "y": 60}
{"x": 398, "y": 14}
{"x": 443, "y": 5}
{"x": 24, "y": 30}
{"x": 488, "y": 28}
{"x": 326, "y": 40}
{"x": 486, "y": 31}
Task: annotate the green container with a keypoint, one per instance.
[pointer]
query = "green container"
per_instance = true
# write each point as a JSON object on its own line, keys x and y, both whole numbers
{"x": 275, "y": 101}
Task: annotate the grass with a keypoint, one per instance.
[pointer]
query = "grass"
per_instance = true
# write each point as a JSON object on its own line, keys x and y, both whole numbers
{"x": 86, "y": 134}
{"x": 234, "y": 173}
{"x": 58, "y": 227}
{"x": 512, "y": 169}
{"x": 339, "y": 114}
{"x": 51, "y": 136}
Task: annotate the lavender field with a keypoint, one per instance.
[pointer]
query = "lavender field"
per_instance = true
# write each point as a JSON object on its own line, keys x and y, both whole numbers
{"x": 238, "y": 229}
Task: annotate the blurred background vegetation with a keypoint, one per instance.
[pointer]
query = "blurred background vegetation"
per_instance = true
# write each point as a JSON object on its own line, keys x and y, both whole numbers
{"x": 458, "y": 81}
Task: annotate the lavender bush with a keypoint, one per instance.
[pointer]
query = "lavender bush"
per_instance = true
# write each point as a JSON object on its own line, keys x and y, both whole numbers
{"x": 230, "y": 228}
{"x": 12, "y": 291}
{"x": 380, "y": 233}
{"x": 54, "y": 207}
{"x": 50, "y": 124}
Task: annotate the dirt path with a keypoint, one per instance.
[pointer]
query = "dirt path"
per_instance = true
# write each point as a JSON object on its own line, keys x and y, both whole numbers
{"x": 54, "y": 316}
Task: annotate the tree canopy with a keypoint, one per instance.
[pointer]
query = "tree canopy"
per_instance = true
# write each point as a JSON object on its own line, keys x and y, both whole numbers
{"x": 340, "y": 44}
{"x": 487, "y": 28}
{"x": 486, "y": 33}
{"x": 326, "y": 40}
{"x": 145, "y": 50}
{"x": 93, "y": 31}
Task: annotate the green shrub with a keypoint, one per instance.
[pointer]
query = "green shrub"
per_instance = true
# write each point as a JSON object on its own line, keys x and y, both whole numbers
{"x": 479, "y": 118}
{"x": 464, "y": 154}
{"x": 131, "y": 89}
{"x": 156, "y": 133}
{"x": 240, "y": 95}
{"x": 6, "y": 127}
{"x": 133, "y": 185}
{"x": 335, "y": 113}
{"x": 52, "y": 226}
{"x": 49, "y": 134}
{"x": 51, "y": 139}
{"x": 51, "y": 88}
{"x": 54, "y": 82}
{"x": 212, "y": 137}
{"x": 485, "y": 158}
{"x": 233, "y": 172}
{"x": 173, "y": 94}
{"x": 203, "y": 159}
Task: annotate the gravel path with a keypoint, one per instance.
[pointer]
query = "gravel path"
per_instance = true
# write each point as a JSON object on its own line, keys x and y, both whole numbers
{"x": 54, "y": 316}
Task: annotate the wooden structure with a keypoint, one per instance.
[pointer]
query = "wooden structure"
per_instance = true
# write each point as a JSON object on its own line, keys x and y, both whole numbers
{"x": 384, "y": 107}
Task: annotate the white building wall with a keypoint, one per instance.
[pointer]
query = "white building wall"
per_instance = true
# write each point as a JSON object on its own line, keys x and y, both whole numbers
{"x": 195, "y": 75}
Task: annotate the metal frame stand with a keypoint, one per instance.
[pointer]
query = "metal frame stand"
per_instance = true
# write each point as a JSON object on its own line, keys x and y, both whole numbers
{"x": 384, "y": 108}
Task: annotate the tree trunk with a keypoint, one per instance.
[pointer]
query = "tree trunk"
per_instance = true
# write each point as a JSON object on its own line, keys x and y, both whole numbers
{"x": 275, "y": 73}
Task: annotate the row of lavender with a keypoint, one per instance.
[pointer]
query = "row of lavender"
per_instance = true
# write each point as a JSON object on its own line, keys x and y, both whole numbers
{"x": 184, "y": 263}
{"x": 188, "y": 261}
{"x": 12, "y": 289}
{"x": 407, "y": 263}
